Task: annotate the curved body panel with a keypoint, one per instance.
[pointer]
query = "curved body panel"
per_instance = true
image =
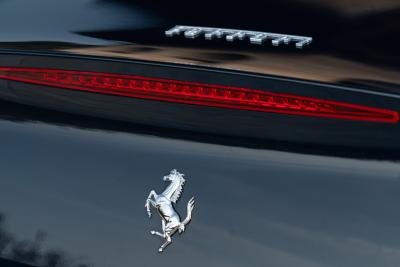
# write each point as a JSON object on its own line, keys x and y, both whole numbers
{"x": 354, "y": 42}
{"x": 271, "y": 188}
{"x": 85, "y": 191}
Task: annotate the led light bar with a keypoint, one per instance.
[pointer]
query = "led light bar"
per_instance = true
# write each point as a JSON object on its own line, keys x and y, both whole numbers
{"x": 197, "y": 94}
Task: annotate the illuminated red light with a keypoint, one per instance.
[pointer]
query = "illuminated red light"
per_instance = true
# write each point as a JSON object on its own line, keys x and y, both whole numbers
{"x": 197, "y": 94}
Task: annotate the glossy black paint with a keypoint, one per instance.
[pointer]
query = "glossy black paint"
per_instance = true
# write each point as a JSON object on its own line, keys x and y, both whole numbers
{"x": 355, "y": 42}
{"x": 85, "y": 190}
{"x": 247, "y": 124}
{"x": 271, "y": 190}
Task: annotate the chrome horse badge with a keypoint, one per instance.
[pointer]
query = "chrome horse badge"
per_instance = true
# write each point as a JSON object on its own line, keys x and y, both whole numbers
{"x": 163, "y": 203}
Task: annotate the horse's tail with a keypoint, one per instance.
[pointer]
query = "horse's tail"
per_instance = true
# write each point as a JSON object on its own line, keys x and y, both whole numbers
{"x": 190, "y": 206}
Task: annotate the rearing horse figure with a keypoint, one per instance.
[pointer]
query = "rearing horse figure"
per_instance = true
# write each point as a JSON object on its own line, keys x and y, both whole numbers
{"x": 163, "y": 202}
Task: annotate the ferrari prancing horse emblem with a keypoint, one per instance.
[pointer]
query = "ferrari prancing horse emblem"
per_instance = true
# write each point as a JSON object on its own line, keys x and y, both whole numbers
{"x": 163, "y": 203}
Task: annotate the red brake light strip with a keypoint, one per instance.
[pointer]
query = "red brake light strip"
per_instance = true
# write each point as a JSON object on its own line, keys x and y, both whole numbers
{"x": 197, "y": 94}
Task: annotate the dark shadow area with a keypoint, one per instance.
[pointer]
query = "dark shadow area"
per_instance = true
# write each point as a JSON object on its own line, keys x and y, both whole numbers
{"x": 24, "y": 253}
{"x": 22, "y": 113}
{"x": 9, "y": 263}
{"x": 40, "y": 45}
{"x": 371, "y": 38}
{"x": 372, "y": 84}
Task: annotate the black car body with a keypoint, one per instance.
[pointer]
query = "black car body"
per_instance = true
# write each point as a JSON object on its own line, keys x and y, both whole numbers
{"x": 277, "y": 187}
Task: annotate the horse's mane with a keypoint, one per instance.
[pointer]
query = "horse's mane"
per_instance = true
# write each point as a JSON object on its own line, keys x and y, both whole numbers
{"x": 177, "y": 193}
